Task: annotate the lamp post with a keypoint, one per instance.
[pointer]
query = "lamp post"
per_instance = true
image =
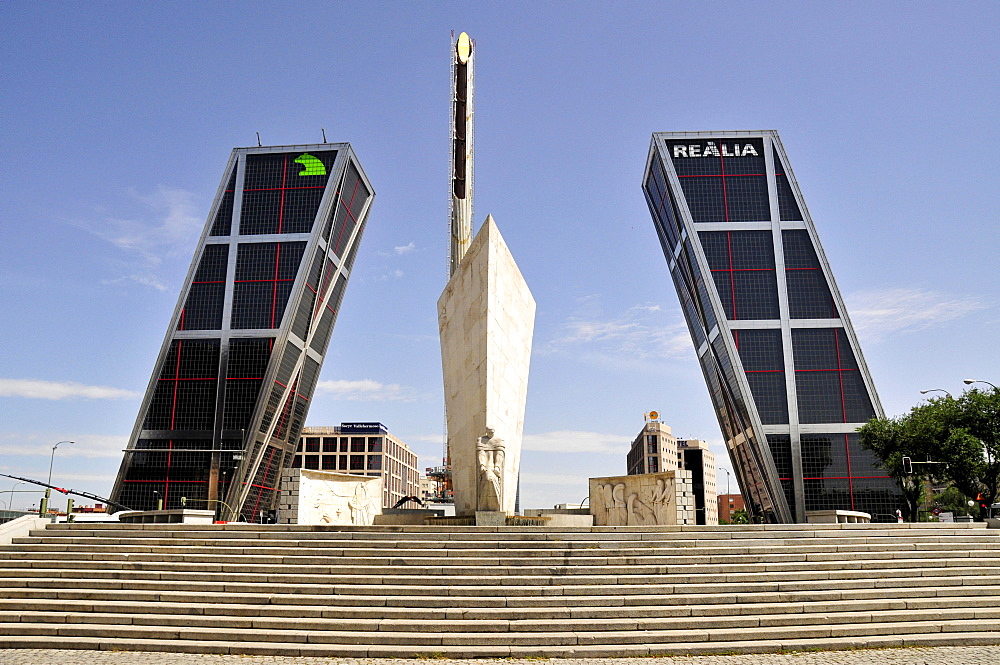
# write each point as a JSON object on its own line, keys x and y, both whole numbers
{"x": 969, "y": 382}
{"x": 936, "y": 390}
{"x": 728, "y": 475}
{"x": 43, "y": 508}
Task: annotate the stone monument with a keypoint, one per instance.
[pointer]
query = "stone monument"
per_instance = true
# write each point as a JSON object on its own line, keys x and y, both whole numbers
{"x": 327, "y": 497}
{"x": 647, "y": 499}
{"x": 486, "y": 317}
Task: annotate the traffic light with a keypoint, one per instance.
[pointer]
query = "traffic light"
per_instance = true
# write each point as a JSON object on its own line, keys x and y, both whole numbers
{"x": 907, "y": 465}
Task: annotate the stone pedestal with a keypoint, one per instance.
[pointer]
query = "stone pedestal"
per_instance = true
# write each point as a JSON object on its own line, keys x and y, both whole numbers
{"x": 490, "y": 518}
{"x": 486, "y": 317}
{"x": 649, "y": 499}
{"x": 324, "y": 497}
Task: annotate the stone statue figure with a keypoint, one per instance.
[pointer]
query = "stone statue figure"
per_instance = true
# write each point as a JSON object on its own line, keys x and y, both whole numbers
{"x": 490, "y": 456}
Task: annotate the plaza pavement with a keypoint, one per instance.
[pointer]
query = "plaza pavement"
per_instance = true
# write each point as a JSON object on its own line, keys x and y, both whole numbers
{"x": 973, "y": 655}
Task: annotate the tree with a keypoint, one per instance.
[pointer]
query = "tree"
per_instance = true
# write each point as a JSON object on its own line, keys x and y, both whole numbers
{"x": 952, "y": 500}
{"x": 739, "y": 517}
{"x": 955, "y": 440}
{"x": 892, "y": 439}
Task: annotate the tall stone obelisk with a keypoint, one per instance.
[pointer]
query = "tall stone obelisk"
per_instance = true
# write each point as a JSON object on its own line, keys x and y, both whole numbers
{"x": 486, "y": 317}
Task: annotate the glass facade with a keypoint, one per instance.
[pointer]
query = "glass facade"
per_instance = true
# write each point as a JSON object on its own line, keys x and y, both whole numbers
{"x": 783, "y": 366}
{"x": 232, "y": 385}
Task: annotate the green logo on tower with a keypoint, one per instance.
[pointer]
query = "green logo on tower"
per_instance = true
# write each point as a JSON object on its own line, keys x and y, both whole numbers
{"x": 311, "y": 165}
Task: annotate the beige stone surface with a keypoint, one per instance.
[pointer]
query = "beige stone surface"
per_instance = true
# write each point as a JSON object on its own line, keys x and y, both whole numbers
{"x": 325, "y": 497}
{"x": 486, "y": 316}
{"x": 648, "y": 499}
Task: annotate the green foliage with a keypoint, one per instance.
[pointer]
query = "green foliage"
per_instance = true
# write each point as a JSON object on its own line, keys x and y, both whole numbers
{"x": 960, "y": 436}
{"x": 952, "y": 500}
{"x": 739, "y": 517}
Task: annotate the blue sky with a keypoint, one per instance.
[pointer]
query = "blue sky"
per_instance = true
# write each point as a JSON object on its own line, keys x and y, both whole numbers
{"x": 118, "y": 119}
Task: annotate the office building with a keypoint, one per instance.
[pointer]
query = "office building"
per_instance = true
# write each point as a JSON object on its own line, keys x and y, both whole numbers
{"x": 363, "y": 449}
{"x": 655, "y": 449}
{"x": 783, "y": 366}
{"x": 232, "y": 384}
{"x": 729, "y": 504}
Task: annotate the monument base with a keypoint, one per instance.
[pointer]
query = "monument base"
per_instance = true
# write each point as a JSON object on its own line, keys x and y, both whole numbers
{"x": 490, "y": 518}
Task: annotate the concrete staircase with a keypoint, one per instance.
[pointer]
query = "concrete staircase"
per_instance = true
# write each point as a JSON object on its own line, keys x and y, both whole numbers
{"x": 496, "y": 592}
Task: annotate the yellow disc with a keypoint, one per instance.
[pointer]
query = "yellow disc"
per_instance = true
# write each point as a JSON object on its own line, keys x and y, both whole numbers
{"x": 653, "y": 415}
{"x": 463, "y": 48}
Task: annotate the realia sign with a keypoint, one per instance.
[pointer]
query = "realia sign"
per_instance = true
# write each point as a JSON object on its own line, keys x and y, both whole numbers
{"x": 711, "y": 149}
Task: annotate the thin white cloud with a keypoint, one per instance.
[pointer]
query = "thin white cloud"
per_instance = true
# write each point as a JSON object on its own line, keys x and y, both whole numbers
{"x": 879, "y": 313}
{"x": 545, "y": 479}
{"x": 395, "y": 274}
{"x": 404, "y": 249}
{"x": 366, "y": 390}
{"x": 572, "y": 441}
{"x": 84, "y": 445}
{"x": 56, "y": 390}
{"x": 641, "y": 332}
{"x": 167, "y": 226}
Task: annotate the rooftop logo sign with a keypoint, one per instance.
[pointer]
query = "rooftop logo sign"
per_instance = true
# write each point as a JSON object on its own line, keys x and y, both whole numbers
{"x": 710, "y": 149}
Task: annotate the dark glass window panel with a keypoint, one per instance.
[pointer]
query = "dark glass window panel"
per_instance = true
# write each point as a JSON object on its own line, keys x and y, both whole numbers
{"x": 329, "y": 462}
{"x": 204, "y": 304}
{"x": 342, "y": 463}
{"x": 240, "y": 401}
{"x": 329, "y": 444}
{"x": 761, "y": 355}
{"x": 213, "y": 264}
{"x": 822, "y": 348}
{"x": 357, "y": 463}
{"x": 260, "y": 212}
{"x": 357, "y": 444}
{"x": 265, "y": 273}
{"x": 312, "y": 444}
{"x": 312, "y": 462}
{"x": 281, "y": 195}
{"x": 248, "y": 357}
{"x": 300, "y": 208}
{"x": 351, "y": 202}
{"x": 723, "y": 180}
{"x": 756, "y": 295}
{"x": 770, "y": 396}
{"x": 663, "y": 209}
{"x": 824, "y": 456}
{"x": 809, "y": 294}
{"x": 222, "y": 224}
{"x": 781, "y": 452}
{"x": 704, "y": 197}
{"x": 788, "y": 208}
{"x": 297, "y": 462}
{"x": 746, "y": 199}
{"x": 277, "y": 170}
{"x": 694, "y": 322}
{"x": 819, "y": 397}
{"x": 827, "y": 494}
{"x": 375, "y": 445}
{"x": 253, "y": 306}
{"x": 738, "y": 250}
{"x": 857, "y": 404}
{"x": 203, "y": 307}
{"x": 324, "y": 328}
{"x": 375, "y": 462}
{"x": 194, "y": 405}
{"x": 760, "y": 350}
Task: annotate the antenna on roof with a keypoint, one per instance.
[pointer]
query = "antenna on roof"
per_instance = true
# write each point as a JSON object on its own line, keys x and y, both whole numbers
{"x": 258, "y": 140}
{"x": 324, "y": 134}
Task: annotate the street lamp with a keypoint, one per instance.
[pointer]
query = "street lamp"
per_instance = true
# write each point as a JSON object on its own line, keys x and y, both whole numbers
{"x": 728, "y": 475}
{"x": 43, "y": 509}
{"x": 936, "y": 390}
{"x": 53, "y": 457}
{"x": 969, "y": 382}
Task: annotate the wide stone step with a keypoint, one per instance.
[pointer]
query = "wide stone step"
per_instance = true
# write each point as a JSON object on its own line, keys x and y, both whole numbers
{"x": 562, "y": 576}
{"x": 23, "y": 606}
{"x": 501, "y": 651}
{"x": 423, "y": 637}
{"x": 498, "y": 624}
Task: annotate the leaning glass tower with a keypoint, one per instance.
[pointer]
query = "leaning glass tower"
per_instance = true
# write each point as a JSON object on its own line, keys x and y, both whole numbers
{"x": 781, "y": 360}
{"x": 232, "y": 384}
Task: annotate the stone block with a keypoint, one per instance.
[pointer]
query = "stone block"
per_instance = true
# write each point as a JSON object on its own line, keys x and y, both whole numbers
{"x": 652, "y": 499}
